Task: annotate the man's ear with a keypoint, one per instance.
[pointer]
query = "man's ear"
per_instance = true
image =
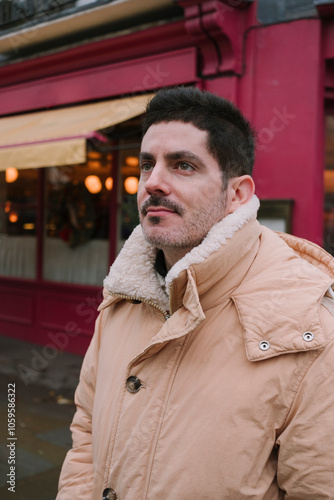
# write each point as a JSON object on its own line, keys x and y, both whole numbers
{"x": 239, "y": 191}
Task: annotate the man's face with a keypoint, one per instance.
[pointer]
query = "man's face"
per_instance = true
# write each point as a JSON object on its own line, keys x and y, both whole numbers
{"x": 180, "y": 193}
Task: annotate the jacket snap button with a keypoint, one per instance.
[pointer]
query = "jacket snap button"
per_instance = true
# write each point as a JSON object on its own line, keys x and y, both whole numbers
{"x": 109, "y": 494}
{"x": 133, "y": 384}
{"x": 264, "y": 345}
{"x": 308, "y": 336}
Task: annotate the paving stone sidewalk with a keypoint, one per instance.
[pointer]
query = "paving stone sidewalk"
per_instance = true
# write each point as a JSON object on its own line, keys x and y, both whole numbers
{"x": 45, "y": 382}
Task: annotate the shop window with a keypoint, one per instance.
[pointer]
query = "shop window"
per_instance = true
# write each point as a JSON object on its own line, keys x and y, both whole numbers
{"x": 18, "y": 218}
{"x": 77, "y": 201}
{"x": 66, "y": 224}
{"x": 125, "y": 139}
{"x": 276, "y": 214}
{"x": 329, "y": 187}
{"x": 129, "y": 178}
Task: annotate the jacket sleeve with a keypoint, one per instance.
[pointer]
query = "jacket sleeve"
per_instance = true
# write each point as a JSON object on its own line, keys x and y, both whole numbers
{"x": 76, "y": 477}
{"x": 305, "y": 469}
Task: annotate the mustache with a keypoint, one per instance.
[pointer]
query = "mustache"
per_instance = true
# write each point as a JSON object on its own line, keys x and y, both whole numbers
{"x": 158, "y": 201}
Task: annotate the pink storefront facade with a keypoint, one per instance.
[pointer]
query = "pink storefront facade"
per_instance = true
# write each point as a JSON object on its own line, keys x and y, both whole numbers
{"x": 280, "y": 74}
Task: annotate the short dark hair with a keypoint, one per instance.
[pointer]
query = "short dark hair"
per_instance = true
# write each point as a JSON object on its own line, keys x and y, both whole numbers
{"x": 230, "y": 135}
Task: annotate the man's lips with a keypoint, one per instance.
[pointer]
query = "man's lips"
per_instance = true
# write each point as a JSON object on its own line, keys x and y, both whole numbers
{"x": 158, "y": 211}
{"x": 159, "y": 207}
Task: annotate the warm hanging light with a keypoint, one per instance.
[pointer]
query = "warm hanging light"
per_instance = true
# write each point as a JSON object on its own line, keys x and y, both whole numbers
{"x": 93, "y": 184}
{"x": 109, "y": 183}
{"x": 11, "y": 174}
{"x": 94, "y": 159}
{"x": 329, "y": 181}
{"x": 94, "y": 155}
{"x": 132, "y": 161}
{"x": 94, "y": 164}
{"x": 13, "y": 217}
{"x": 131, "y": 185}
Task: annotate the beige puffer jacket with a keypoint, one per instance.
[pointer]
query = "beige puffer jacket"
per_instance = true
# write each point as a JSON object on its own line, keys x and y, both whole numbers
{"x": 232, "y": 396}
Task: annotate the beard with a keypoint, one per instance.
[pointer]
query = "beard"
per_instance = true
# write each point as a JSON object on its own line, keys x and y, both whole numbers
{"x": 189, "y": 231}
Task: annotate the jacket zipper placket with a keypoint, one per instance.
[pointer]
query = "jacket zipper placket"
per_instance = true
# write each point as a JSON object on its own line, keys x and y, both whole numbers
{"x": 146, "y": 301}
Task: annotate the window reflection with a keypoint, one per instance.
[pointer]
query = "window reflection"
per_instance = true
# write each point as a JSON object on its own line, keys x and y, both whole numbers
{"x": 128, "y": 160}
{"x": 76, "y": 247}
{"x": 18, "y": 209}
{"x": 82, "y": 210}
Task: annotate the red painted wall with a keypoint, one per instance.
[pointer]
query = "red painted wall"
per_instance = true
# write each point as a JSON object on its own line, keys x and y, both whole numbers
{"x": 60, "y": 317}
{"x": 282, "y": 92}
{"x": 130, "y": 77}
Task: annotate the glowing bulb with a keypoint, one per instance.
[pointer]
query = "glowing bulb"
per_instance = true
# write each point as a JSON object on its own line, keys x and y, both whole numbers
{"x": 93, "y": 164}
{"x": 13, "y": 217}
{"x": 94, "y": 155}
{"x": 109, "y": 183}
{"x": 11, "y": 174}
{"x": 93, "y": 184}
{"x": 132, "y": 161}
{"x": 131, "y": 185}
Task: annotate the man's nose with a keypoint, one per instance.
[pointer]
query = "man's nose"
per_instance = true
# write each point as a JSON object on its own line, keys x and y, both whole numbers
{"x": 158, "y": 181}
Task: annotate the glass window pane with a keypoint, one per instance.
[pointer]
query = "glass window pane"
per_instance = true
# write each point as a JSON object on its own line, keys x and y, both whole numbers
{"x": 76, "y": 245}
{"x": 129, "y": 174}
{"x": 18, "y": 203}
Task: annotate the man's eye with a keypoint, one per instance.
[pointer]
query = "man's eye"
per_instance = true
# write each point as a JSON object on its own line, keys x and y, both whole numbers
{"x": 146, "y": 167}
{"x": 185, "y": 166}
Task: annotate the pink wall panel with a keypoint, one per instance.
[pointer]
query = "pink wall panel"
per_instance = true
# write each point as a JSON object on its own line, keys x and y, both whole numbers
{"x": 226, "y": 86}
{"x": 59, "y": 316}
{"x": 69, "y": 313}
{"x": 154, "y": 40}
{"x": 130, "y": 77}
{"x": 16, "y": 306}
{"x": 282, "y": 93}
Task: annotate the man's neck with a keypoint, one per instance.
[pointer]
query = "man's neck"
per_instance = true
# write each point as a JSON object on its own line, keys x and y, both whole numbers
{"x": 173, "y": 255}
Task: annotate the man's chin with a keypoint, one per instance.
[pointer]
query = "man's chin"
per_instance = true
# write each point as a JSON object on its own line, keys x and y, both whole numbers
{"x": 156, "y": 235}
{"x": 164, "y": 238}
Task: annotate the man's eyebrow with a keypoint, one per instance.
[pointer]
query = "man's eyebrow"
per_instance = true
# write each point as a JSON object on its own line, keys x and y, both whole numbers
{"x": 145, "y": 156}
{"x": 184, "y": 154}
{"x": 175, "y": 155}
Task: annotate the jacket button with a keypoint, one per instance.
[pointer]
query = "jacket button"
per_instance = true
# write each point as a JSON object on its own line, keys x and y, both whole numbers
{"x": 133, "y": 384}
{"x": 308, "y": 336}
{"x": 109, "y": 494}
{"x": 264, "y": 345}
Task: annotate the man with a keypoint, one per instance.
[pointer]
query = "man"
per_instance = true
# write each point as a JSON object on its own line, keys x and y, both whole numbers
{"x": 210, "y": 373}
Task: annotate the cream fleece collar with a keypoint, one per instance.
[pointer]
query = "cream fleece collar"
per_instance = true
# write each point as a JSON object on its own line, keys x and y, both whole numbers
{"x": 133, "y": 273}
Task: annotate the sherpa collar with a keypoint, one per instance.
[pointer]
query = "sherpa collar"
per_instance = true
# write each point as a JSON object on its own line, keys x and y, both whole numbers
{"x": 133, "y": 273}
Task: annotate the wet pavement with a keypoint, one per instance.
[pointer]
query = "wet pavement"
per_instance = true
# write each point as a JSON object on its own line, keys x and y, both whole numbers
{"x": 41, "y": 384}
